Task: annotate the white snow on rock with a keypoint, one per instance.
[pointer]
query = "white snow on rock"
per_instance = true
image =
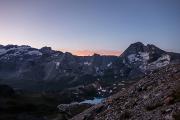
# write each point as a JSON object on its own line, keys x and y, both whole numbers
{"x": 34, "y": 52}
{"x": 140, "y": 57}
{"x": 97, "y": 69}
{"x": 103, "y": 90}
{"x": 144, "y": 55}
{"x": 100, "y": 88}
{"x": 56, "y": 55}
{"x": 87, "y": 63}
{"x": 160, "y": 62}
{"x": 114, "y": 87}
{"x": 57, "y": 64}
{"x": 133, "y": 58}
{"x": 143, "y": 58}
{"x": 19, "y": 50}
{"x": 109, "y": 65}
{"x": 110, "y": 91}
{"x": 2, "y": 51}
{"x": 165, "y": 57}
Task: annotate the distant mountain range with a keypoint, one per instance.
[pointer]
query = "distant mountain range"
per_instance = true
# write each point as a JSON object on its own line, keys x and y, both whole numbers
{"x": 46, "y": 69}
{"x": 43, "y": 84}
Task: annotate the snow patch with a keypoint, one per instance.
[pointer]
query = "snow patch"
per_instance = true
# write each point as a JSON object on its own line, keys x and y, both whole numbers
{"x": 133, "y": 58}
{"x": 100, "y": 88}
{"x": 144, "y": 55}
{"x": 140, "y": 57}
{"x": 109, "y": 65}
{"x": 103, "y": 90}
{"x": 34, "y": 52}
{"x": 18, "y": 51}
{"x": 87, "y": 63}
{"x": 160, "y": 62}
{"x": 2, "y": 51}
{"x": 57, "y": 64}
{"x": 110, "y": 91}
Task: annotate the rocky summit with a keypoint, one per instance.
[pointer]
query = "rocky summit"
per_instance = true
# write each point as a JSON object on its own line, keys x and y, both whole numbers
{"x": 154, "y": 97}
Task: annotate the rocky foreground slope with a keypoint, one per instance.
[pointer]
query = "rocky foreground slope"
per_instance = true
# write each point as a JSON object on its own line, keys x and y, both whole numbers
{"x": 155, "y": 97}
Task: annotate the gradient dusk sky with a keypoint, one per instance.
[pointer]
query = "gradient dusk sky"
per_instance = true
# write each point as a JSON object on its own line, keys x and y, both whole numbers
{"x": 84, "y": 26}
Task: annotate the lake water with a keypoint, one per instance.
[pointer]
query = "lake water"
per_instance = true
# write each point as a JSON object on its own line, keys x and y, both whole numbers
{"x": 94, "y": 101}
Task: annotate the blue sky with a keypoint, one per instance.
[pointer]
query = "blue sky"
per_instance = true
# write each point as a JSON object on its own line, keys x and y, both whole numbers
{"x": 91, "y": 25}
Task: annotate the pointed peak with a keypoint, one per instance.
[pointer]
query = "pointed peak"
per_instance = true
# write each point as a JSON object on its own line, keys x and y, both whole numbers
{"x": 68, "y": 54}
{"x": 151, "y": 46}
{"x": 136, "y": 45}
{"x": 134, "y": 49}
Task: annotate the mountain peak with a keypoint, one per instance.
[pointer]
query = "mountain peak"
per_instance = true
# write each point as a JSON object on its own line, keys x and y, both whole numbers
{"x": 137, "y": 44}
{"x": 134, "y": 49}
{"x": 137, "y": 47}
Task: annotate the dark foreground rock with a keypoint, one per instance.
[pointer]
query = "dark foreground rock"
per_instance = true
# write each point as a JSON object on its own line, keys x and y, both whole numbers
{"x": 67, "y": 111}
{"x": 6, "y": 91}
{"x": 155, "y": 97}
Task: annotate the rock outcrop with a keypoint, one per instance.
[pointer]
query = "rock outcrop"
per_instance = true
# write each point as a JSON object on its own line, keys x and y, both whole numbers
{"x": 67, "y": 111}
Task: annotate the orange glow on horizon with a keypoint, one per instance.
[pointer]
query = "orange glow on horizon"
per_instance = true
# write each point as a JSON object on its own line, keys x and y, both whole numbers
{"x": 91, "y": 52}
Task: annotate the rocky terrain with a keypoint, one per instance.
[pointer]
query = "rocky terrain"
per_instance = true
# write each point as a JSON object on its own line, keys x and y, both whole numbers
{"x": 154, "y": 97}
{"x": 43, "y": 84}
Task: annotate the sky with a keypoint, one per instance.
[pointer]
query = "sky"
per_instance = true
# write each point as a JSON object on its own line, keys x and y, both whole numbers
{"x": 87, "y": 26}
